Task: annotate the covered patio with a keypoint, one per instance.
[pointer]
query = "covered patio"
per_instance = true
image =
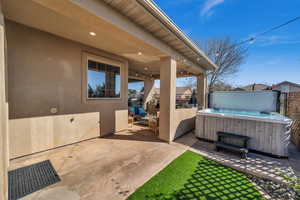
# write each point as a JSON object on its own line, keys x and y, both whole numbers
{"x": 109, "y": 168}
{"x": 115, "y": 166}
{"x": 77, "y": 69}
{"x": 53, "y": 55}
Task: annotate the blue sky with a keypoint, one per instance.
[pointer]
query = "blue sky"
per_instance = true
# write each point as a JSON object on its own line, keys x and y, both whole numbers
{"x": 138, "y": 86}
{"x": 272, "y": 58}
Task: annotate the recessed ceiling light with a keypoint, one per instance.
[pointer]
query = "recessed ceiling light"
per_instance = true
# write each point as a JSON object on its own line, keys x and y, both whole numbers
{"x": 139, "y": 53}
{"x": 146, "y": 68}
{"x": 92, "y": 33}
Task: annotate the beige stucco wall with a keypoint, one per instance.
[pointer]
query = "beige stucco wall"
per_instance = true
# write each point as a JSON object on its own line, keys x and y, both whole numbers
{"x": 45, "y": 71}
{"x": 36, "y": 134}
{"x": 184, "y": 121}
{"x": 3, "y": 113}
{"x": 174, "y": 122}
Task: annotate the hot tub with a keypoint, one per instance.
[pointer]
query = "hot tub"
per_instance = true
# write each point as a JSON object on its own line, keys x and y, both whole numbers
{"x": 269, "y": 132}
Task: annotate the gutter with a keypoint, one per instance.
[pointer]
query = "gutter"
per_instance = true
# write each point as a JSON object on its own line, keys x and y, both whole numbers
{"x": 165, "y": 20}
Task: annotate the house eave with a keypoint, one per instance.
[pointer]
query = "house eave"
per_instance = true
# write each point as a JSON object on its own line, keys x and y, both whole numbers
{"x": 146, "y": 14}
{"x": 165, "y": 20}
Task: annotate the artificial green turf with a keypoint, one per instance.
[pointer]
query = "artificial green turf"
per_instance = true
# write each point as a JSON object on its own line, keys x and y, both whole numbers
{"x": 193, "y": 177}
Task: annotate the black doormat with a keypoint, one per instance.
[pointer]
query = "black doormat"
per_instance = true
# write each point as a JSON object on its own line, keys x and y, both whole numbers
{"x": 26, "y": 180}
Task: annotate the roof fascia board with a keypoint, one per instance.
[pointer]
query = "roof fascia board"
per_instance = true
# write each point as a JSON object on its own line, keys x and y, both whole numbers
{"x": 167, "y": 22}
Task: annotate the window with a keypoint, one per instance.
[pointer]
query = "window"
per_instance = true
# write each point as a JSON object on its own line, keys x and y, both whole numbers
{"x": 103, "y": 80}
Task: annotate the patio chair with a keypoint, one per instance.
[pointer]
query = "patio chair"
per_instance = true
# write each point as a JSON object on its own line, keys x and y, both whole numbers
{"x": 137, "y": 112}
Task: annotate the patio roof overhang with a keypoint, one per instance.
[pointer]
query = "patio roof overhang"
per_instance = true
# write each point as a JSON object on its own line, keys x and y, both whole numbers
{"x": 134, "y": 29}
{"x": 148, "y": 15}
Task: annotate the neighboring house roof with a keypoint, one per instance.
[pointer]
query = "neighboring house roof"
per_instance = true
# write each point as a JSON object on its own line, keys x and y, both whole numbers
{"x": 253, "y": 87}
{"x": 183, "y": 90}
{"x": 265, "y": 87}
{"x": 238, "y": 89}
{"x": 149, "y": 16}
{"x": 286, "y": 83}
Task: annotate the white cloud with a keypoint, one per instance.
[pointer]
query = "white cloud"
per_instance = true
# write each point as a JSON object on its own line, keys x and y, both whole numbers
{"x": 209, "y": 5}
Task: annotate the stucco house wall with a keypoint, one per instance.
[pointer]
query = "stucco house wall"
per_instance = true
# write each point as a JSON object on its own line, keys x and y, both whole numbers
{"x": 4, "y": 162}
{"x": 45, "y": 71}
{"x": 184, "y": 121}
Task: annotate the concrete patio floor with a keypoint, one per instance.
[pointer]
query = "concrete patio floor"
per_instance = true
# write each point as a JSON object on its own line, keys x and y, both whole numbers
{"x": 104, "y": 168}
{"x": 115, "y": 166}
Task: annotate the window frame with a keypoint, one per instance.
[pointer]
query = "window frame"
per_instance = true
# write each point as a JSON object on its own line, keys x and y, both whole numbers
{"x": 105, "y": 60}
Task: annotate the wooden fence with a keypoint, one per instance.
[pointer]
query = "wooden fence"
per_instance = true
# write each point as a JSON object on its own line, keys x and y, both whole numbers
{"x": 293, "y": 112}
{"x": 295, "y": 133}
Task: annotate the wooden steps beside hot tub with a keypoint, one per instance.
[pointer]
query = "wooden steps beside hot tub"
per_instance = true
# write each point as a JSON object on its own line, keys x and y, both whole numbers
{"x": 233, "y": 142}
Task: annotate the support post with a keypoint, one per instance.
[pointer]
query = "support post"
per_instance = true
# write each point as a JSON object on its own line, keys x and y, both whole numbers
{"x": 201, "y": 91}
{"x": 148, "y": 91}
{"x": 167, "y": 99}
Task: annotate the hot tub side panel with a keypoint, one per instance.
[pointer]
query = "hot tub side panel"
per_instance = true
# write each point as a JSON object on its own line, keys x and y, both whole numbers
{"x": 267, "y": 137}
